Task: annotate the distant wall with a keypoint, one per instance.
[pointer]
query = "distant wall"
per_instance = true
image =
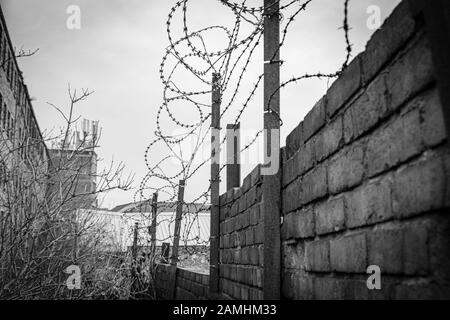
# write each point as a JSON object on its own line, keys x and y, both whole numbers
{"x": 366, "y": 178}
{"x": 190, "y": 285}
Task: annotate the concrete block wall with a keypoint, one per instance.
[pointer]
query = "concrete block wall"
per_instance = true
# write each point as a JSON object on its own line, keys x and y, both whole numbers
{"x": 190, "y": 285}
{"x": 366, "y": 178}
{"x": 241, "y": 240}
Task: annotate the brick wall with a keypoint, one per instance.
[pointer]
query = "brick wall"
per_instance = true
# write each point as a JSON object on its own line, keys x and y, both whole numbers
{"x": 190, "y": 285}
{"x": 366, "y": 178}
{"x": 365, "y": 181}
{"x": 241, "y": 240}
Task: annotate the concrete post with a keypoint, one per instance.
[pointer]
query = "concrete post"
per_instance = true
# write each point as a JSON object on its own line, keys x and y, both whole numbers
{"x": 271, "y": 189}
{"x": 215, "y": 184}
{"x": 233, "y": 156}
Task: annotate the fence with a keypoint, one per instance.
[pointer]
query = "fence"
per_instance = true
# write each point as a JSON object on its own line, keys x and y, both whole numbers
{"x": 364, "y": 181}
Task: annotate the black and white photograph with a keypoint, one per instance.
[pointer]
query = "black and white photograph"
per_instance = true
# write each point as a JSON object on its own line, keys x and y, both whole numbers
{"x": 238, "y": 153}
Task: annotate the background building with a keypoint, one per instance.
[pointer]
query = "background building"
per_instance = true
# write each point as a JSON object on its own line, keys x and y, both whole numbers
{"x": 23, "y": 153}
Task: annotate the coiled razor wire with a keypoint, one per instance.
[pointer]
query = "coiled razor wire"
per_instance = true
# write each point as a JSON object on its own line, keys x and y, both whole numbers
{"x": 233, "y": 60}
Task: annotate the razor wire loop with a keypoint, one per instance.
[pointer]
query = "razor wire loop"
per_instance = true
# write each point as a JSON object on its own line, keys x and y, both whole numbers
{"x": 237, "y": 54}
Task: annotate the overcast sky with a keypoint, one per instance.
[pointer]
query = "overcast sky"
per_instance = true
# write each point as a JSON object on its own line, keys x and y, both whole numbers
{"x": 118, "y": 50}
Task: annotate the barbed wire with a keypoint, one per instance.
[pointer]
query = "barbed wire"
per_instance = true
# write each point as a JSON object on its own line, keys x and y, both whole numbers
{"x": 189, "y": 52}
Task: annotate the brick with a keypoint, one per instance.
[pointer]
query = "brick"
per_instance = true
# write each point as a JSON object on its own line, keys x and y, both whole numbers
{"x": 294, "y": 140}
{"x": 227, "y": 270}
{"x": 256, "y": 175}
{"x": 369, "y": 203}
{"x": 346, "y": 169}
{"x": 254, "y": 215}
{"x": 330, "y": 216}
{"x": 241, "y": 238}
{"x": 415, "y": 248}
{"x": 387, "y": 40}
{"x": 349, "y": 289}
{"x": 328, "y": 140}
{"x": 258, "y": 193}
{"x": 385, "y": 250}
{"x": 288, "y": 285}
{"x": 289, "y": 171}
{"x": 387, "y": 291}
{"x": 237, "y": 291}
{"x": 254, "y": 256}
{"x": 240, "y": 274}
{"x": 304, "y": 158}
{"x": 344, "y": 87}
{"x": 244, "y": 293}
{"x": 298, "y": 224}
{"x": 324, "y": 288}
{"x": 247, "y": 183}
{"x": 367, "y": 110}
{"x": 237, "y": 192}
{"x": 305, "y": 288}
{"x": 230, "y": 195}
{"x": 348, "y": 254}
{"x": 242, "y": 203}
{"x": 256, "y": 294}
{"x": 238, "y": 255}
{"x": 251, "y": 197}
{"x": 293, "y": 256}
{"x": 259, "y": 233}
{"x": 313, "y": 185}
{"x": 237, "y": 222}
{"x": 249, "y": 236}
{"x": 233, "y": 274}
{"x": 318, "y": 255}
{"x": 393, "y": 144}
{"x": 303, "y": 224}
{"x": 433, "y": 126}
{"x": 315, "y": 119}
{"x": 246, "y": 219}
{"x": 410, "y": 74}
{"x": 419, "y": 188}
{"x": 290, "y": 197}
{"x": 258, "y": 275}
{"x": 286, "y": 226}
{"x": 227, "y": 211}
{"x": 234, "y": 208}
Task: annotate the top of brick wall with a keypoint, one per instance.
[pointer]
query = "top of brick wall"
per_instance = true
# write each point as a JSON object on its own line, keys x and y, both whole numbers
{"x": 252, "y": 179}
{"x": 382, "y": 46}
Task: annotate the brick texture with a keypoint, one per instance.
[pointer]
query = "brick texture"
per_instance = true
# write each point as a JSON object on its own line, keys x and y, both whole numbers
{"x": 369, "y": 182}
{"x": 365, "y": 181}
